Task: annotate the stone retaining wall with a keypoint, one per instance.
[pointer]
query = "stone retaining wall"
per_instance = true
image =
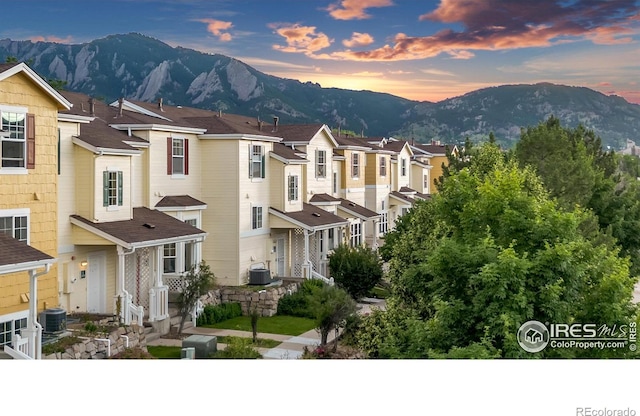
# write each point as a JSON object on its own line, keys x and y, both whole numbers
{"x": 91, "y": 349}
{"x": 266, "y": 300}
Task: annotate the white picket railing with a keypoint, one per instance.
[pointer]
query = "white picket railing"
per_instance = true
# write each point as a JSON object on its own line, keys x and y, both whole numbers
{"x": 20, "y": 350}
{"x": 316, "y": 275}
{"x": 197, "y": 310}
{"x": 158, "y": 303}
{"x": 129, "y": 312}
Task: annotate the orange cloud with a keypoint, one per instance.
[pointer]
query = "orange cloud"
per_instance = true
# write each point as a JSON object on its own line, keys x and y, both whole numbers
{"x": 355, "y": 9}
{"x": 302, "y": 39}
{"x": 51, "y": 38}
{"x": 494, "y": 25}
{"x": 218, "y": 28}
{"x": 358, "y": 39}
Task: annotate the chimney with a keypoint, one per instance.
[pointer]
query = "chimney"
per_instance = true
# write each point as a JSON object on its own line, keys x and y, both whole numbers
{"x": 120, "y": 104}
{"x": 275, "y": 123}
{"x": 413, "y": 141}
{"x": 160, "y": 104}
{"x": 259, "y": 124}
{"x": 220, "y": 113}
{"x": 92, "y": 107}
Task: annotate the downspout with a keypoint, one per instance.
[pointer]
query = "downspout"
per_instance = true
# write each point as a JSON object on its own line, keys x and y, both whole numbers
{"x": 35, "y": 344}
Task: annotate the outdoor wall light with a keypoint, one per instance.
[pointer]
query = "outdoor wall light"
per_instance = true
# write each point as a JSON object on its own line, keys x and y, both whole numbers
{"x": 84, "y": 263}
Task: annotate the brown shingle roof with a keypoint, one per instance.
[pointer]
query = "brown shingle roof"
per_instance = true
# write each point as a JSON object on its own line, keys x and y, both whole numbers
{"x": 319, "y": 198}
{"x": 395, "y": 145}
{"x": 402, "y": 197}
{"x": 312, "y": 217}
{"x": 99, "y": 135}
{"x": 358, "y": 210}
{"x": 17, "y": 252}
{"x": 147, "y": 226}
{"x": 287, "y": 153}
{"x": 298, "y": 132}
{"x": 432, "y": 148}
{"x": 354, "y": 142}
{"x": 179, "y": 201}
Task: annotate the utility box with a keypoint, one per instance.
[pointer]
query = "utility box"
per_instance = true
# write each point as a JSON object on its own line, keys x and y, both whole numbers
{"x": 204, "y": 345}
{"x": 259, "y": 277}
{"x": 188, "y": 353}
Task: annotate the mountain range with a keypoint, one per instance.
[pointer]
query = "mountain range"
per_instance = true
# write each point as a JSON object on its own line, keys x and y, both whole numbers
{"x": 142, "y": 68}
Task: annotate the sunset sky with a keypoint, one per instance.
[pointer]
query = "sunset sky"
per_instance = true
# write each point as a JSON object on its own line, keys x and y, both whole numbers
{"x": 417, "y": 49}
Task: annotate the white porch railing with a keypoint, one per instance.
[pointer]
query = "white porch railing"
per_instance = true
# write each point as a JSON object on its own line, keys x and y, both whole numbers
{"x": 158, "y": 303}
{"x": 20, "y": 350}
{"x": 129, "y": 312}
{"x": 316, "y": 275}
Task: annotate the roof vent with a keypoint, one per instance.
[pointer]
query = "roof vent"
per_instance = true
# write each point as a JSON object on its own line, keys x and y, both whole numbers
{"x": 315, "y": 214}
{"x": 150, "y": 226}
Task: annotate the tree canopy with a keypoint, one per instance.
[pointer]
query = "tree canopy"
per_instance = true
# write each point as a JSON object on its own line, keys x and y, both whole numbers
{"x": 492, "y": 250}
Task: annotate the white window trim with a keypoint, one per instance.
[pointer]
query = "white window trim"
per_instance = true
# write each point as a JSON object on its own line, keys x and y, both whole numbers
{"x": 15, "y": 170}
{"x": 325, "y": 163}
{"x": 261, "y": 217}
{"x": 290, "y": 188}
{"x": 355, "y": 165}
{"x": 116, "y": 207}
{"x": 173, "y": 155}
{"x": 262, "y": 161}
{"x": 19, "y": 212}
{"x": 383, "y": 164}
{"x": 403, "y": 167}
{"x": 15, "y": 316}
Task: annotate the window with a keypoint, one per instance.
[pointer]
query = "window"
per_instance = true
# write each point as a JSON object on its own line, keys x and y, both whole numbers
{"x": 18, "y": 138}
{"x": 384, "y": 221}
{"x": 170, "y": 258}
{"x": 293, "y": 188}
{"x": 256, "y": 218}
{"x": 9, "y": 328}
{"x": 112, "y": 188}
{"x": 331, "y": 238}
{"x": 177, "y": 156}
{"x": 403, "y": 167}
{"x": 15, "y": 225}
{"x": 383, "y": 166}
{"x": 425, "y": 183}
{"x": 355, "y": 165}
{"x": 335, "y": 182}
{"x": 256, "y": 161}
{"x": 321, "y": 163}
{"x": 356, "y": 236}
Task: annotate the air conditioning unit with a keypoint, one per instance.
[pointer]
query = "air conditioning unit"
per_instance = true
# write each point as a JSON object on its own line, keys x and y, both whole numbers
{"x": 259, "y": 277}
{"x": 53, "y": 320}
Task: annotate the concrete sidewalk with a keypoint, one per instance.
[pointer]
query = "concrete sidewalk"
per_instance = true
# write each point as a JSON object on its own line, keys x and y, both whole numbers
{"x": 290, "y": 348}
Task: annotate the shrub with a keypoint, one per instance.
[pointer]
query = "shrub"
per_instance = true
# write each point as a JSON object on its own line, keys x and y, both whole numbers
{"x": 297, "y": 304}
{"x": 355, "y": 269}
{"x": 238, "y": 347}
{"x": 218, "y": 313}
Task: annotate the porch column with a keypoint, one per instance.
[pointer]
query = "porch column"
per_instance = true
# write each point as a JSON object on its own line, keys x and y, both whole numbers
{"x": 33, "y": 331}
{"x": 159, "y": 266}
{"x": 306, "y": 265}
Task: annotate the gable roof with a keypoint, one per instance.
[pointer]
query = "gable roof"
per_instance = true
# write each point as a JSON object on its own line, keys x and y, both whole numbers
{"x": 402, "y": 198}
{"x": 303, "y": 133}
{"x": 10, "y": 69}
{"x": 356, "y": 210}
{"x": 287, "y": 155}
{"x": 16, "y": 256}
{"x": 180, "y": 202}
{"x": 147, "y": 228}
{"x": 310, "y": 218}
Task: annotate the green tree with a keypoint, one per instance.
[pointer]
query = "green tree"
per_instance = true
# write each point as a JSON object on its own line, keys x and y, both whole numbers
{"x": 489, "y": 252}
{"x": 577, "y": 171}
{"x": 197, "y": 282}
{"x": 331, "y": 306}
{"x": 355, "y": 269}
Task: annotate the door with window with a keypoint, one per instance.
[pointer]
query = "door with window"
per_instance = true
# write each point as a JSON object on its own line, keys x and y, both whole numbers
{"x": 97, "y": 283}
{"x": 280, "y": 257}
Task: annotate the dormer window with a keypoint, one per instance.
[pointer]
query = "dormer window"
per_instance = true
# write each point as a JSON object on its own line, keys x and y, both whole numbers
{"x": 383, "y": 166}
{"x": 321, "y": 163}
{"x": 256, "y": 161}
{"x": 355, "y": 165}
{"x": 112, "y": 193}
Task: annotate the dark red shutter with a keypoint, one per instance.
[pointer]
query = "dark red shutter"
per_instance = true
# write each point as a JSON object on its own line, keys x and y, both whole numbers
{"x": 186, "y": 156}
{"x": 31, "y": 141}
{"x": 169, "y": 156}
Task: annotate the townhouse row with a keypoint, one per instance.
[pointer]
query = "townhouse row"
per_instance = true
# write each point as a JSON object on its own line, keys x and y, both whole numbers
{"x": 104, "y": 207}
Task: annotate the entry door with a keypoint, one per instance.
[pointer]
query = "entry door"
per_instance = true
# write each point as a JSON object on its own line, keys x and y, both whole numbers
{"x": 280, "y": 257}
{"x": 97, "y": 283}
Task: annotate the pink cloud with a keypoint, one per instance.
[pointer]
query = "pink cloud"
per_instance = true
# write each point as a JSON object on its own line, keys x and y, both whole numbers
{"x": 355, "y": 9}
{"x": 496, "y": 25}
{"x": 218, "y": 28}
{"x": 302, "y": 39}
{"x": 358, "y": 39}
{"x": 51, "y": 38}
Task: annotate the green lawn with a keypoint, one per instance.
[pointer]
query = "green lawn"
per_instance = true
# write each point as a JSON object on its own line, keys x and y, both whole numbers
{"x": 285, "y": 325}
{"x": 166, "y": 352}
